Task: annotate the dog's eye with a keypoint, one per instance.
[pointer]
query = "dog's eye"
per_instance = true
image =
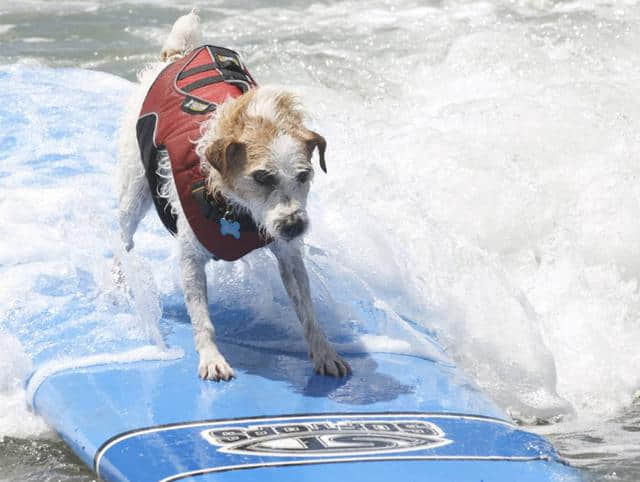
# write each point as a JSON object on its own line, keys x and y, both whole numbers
{"x": 265, "y": 178}
{"x": 303, "y": 177}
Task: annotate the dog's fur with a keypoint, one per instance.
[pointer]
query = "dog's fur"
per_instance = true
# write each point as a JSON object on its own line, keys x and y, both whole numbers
{"x": 256, "y": 137}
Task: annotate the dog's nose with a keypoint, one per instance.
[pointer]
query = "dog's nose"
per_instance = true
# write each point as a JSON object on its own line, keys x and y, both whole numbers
{"x": 293, "y": 226}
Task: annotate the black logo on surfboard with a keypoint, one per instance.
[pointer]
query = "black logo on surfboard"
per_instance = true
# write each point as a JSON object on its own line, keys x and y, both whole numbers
{"x": 328, "y": 438}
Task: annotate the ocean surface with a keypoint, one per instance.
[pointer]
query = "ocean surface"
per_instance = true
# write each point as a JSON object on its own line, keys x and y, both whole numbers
{"x": 483, "y": 170}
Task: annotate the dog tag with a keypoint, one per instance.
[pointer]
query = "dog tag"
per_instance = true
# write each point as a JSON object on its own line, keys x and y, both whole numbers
{"x": 231, "y": 228}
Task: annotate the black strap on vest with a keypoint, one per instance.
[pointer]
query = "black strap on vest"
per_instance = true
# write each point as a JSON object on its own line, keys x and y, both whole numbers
{"x": 196, "y": 70}
{"x": 149, "y": 152}
{"x": 202, "y": 82}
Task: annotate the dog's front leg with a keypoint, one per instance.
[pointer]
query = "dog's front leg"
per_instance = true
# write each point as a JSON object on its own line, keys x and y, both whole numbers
{"x": 296, "y": 281}
{"x": 213, "y": 365}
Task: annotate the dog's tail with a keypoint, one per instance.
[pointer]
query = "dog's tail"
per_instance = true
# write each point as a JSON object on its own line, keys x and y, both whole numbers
{"x": 185, "y": 35}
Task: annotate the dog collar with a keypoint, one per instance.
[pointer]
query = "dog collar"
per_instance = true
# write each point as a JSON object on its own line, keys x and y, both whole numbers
{"x": 232, "y": 221}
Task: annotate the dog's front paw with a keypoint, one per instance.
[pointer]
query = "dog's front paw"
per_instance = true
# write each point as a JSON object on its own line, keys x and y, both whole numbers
{"x": 327, "y": 362}
{"x": 213, "y": 366}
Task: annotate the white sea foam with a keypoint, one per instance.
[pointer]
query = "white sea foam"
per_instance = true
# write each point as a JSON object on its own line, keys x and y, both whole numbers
{"x": 15, "y": 418}
{"x": 482, "y": 174}
{"x": 59, "y": 306}
{"x": 37, "y": 40}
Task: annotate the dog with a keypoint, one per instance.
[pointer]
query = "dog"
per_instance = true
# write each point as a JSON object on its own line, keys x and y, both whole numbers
{"x": 244, "y": 185}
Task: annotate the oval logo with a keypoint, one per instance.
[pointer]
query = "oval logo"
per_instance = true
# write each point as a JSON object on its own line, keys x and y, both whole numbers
{"x": 328, "y": 438}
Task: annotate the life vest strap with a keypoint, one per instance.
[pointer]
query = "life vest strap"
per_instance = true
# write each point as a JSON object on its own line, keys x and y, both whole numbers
{"x": 202, "y": 82}
{"x": 196, "y": 70}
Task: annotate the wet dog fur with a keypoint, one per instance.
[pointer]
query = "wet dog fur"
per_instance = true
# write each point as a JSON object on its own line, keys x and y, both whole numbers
{"x": 256, "y": 152}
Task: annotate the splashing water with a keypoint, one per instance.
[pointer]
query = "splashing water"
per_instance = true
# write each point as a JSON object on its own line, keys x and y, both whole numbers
{"x": 483, "y": 185}
{"x": 58, "y": 303}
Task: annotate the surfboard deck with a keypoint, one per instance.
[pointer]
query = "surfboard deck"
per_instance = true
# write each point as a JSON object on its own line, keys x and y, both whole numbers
{"x": 396, "y": 416}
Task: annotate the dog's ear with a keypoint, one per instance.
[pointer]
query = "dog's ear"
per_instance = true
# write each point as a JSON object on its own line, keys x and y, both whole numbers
{"x": 313, "y": 140}
{"x": 226, "y": 156}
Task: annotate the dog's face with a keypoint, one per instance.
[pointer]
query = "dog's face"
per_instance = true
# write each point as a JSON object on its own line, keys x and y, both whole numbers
{"x": 266, "y": 168}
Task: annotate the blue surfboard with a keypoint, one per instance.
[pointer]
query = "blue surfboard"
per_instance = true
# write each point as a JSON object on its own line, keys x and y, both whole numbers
{"x": 396, "y": 416}
{"x": 138, "y": 412}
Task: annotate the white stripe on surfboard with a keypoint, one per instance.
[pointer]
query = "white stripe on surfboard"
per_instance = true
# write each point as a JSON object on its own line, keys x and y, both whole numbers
{"x": 144, "y": 353}
{"x": 226, "y": 468}
{"x": 151, "y": 430}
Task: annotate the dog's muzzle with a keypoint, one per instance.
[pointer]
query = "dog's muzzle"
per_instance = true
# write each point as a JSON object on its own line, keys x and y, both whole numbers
{"x": 293, "y": 225}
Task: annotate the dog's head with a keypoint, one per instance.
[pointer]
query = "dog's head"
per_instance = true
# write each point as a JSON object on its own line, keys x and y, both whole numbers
{"x": 258, "y": 155}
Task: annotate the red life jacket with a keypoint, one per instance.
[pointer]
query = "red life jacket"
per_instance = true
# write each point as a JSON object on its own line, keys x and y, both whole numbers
{"x": 181, "y": 98}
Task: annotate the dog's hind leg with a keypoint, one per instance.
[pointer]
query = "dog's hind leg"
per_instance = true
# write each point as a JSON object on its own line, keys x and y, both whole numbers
{"x": 213, "y": 365}
{"x": 134, "y": 194}
{"x": 135, "y": 199}
{"x": 296, "y": 281}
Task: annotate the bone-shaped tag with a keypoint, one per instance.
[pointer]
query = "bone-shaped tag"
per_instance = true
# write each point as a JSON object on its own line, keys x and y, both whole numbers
{"x": 231, "y": 228}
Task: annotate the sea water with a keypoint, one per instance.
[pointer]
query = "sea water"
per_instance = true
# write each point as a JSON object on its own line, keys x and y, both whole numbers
{"x": 482, "y": 190}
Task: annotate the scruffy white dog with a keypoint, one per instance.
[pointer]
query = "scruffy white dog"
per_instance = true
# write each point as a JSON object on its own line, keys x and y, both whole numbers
{"x": 254, "y": 154}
